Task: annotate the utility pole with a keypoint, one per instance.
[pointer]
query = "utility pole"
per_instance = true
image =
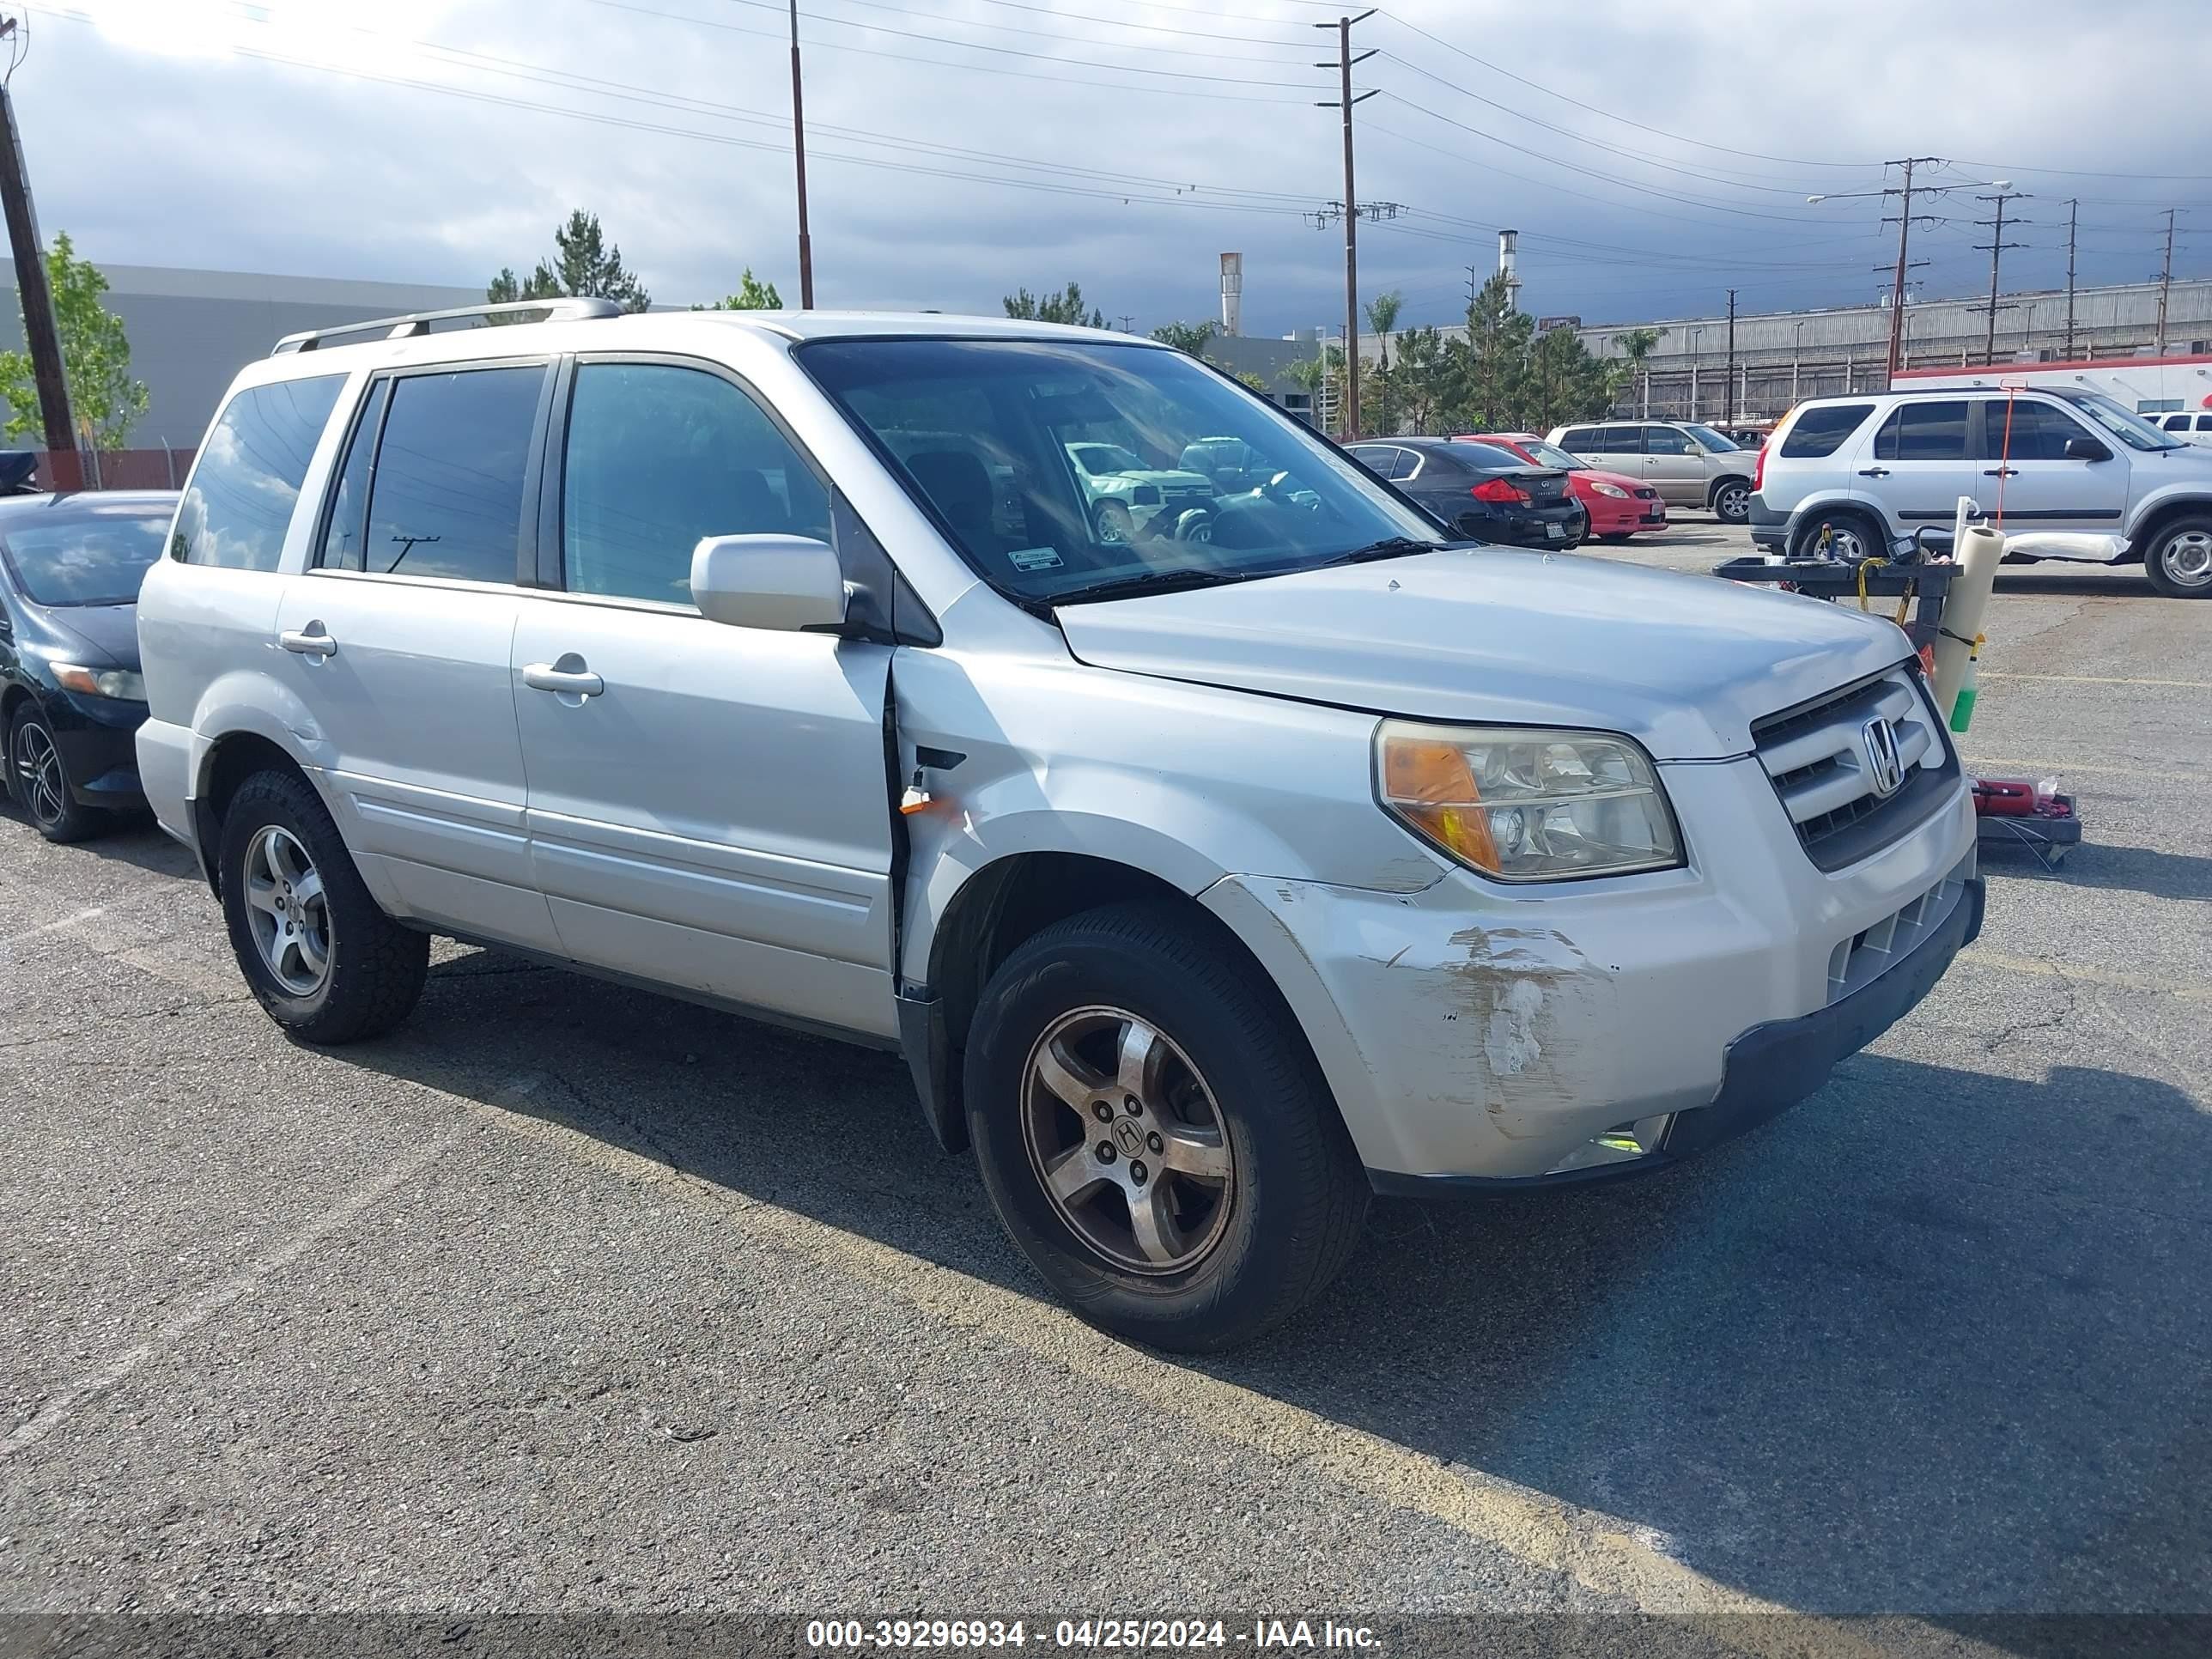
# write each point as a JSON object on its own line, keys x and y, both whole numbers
{"x": 1345, "y": 100}
{"x": 2072, "y": 222}
{"x": 1128, "y": 318}
{"x": 799, "y": 149}
{"x": 1995, "y": 247}
{"x": 2164, "y": 279}
{"x": 1728, "y": 398}
{"x": 1904, "y": 238}
{"x": 40, "y": 333}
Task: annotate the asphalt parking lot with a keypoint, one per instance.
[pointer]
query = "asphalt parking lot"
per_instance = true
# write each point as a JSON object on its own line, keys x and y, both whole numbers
{"x": 567, "y": 1297}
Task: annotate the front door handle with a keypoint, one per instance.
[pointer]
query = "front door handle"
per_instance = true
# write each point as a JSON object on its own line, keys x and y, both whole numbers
{"x": 312, "y": 641}
{"x": 575, "y": 682}
{"x": 2001, "y": 472}
{"x": 1874, "y": 472}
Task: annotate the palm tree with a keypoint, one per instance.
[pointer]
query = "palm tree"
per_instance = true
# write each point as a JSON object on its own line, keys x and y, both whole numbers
{"x": 1382, "y": 317}
{"x": 1311, "y": 374}
{"x": 1635, "y": 345}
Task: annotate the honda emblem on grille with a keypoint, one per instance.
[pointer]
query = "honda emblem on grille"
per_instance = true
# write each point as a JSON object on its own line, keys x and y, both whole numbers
{"x": 1885, "y": 766}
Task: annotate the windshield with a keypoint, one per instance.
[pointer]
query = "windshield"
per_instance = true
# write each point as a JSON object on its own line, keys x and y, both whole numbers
{"x": 87, "y": 556}
{"x": 1718, "y": 443}
{"x": 2122, "y": 422}
{"x": 1546, "y": 454}
{"x": 994, "y": 436}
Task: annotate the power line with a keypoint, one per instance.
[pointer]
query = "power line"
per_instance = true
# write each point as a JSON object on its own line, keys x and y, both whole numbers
{"x": 1084, "y": 17}
{"x": 1574, "y": 167}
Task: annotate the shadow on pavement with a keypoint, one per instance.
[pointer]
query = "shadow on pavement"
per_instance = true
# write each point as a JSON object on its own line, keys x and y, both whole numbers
{"x": 1937, "y": 1340}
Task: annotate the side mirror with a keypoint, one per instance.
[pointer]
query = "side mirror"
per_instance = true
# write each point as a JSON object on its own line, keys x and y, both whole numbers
{"x": 2087, "y": 449}
{"x": 792, "y": 584}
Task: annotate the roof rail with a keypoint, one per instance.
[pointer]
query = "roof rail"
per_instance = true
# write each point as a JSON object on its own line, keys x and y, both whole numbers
{"x": 418, "y": 322}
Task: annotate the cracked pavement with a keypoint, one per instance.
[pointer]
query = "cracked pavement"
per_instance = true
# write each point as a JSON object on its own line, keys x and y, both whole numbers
{"x": 567, "y": 1298}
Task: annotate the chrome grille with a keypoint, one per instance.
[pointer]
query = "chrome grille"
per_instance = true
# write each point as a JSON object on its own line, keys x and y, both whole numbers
{"x": 1818, "y": 758}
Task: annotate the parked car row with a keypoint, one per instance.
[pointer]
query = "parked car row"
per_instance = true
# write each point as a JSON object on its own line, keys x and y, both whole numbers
{"x": 784, "y": 662}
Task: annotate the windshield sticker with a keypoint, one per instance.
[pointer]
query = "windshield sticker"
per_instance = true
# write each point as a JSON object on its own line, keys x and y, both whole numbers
{"x": 1035, "y": 558}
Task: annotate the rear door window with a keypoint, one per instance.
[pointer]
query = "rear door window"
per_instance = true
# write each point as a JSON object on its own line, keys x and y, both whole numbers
{"x": 1822, "y": 431}
{"x": 446, "y": 497}
{"x": 1923, "y": 431}
{"x": 1579, "y": 439}
{"x": 239, "y": 505}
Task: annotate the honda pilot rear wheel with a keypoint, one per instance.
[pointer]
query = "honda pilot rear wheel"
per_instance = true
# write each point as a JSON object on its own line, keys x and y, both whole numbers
{"x": 2178, "y": 559}
{"x": 1154, "y": 1132}
{"x": 321, "y": 957}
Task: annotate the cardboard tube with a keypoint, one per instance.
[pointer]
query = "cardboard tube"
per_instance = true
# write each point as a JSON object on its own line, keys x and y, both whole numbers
{"x": 1979, "y": 549}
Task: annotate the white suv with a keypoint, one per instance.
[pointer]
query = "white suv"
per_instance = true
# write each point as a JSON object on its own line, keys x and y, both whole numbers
{"x": 2071, "y": 474}
{"x": 775, "y": 660}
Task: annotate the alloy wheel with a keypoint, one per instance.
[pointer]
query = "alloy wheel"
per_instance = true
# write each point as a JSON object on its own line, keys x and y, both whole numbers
{"x": 286, "y": 908}
{"x": 1125, "y": 1137}
{"x": 1733, "y": 503}
{"x": 40, "y": 781}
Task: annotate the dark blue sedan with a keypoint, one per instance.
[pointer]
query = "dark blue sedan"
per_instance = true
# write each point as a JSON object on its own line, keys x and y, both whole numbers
{"x": 70, "y": 694}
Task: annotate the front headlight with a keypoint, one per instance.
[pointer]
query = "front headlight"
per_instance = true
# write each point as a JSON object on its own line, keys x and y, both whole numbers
{"x": 1522, "y": 804}
{"x": 117, "y": 682}
{"x": 1611, "y": 490}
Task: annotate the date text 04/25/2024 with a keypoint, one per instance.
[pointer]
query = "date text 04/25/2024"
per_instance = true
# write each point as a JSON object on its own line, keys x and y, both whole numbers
{"x": 1099, "y": 1634}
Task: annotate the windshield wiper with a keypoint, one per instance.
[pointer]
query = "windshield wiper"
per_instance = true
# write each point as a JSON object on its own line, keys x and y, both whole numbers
{"x": 1390, "y": 547}
{"x": 1146, "y": 581}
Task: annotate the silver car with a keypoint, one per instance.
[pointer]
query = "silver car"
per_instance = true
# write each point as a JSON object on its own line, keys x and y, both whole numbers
{"x": 1688, "y": 462}
{"x": 774, "y": 660}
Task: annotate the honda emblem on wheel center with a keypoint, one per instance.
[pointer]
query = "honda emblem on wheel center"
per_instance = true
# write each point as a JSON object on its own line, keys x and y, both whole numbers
{"x": 1131, "y": 1137}
{"x": 1885, "y": 766}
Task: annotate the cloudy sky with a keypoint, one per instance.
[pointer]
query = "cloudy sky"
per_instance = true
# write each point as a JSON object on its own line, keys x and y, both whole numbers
{"x": 1651, "y": 154}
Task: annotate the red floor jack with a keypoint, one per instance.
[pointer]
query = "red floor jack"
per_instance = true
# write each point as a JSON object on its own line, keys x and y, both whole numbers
{"x": 2012, "y": 814}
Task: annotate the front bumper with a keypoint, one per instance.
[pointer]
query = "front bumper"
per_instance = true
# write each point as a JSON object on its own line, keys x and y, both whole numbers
{"x": 1612, "y": 516}
{"x": 95, "y": 736}
{"x": 1480, "y": 1034}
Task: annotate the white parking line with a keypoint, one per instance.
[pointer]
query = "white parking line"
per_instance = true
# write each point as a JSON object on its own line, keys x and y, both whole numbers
{"x": 213, "y": 1300}
{"x": 53, "y": 926}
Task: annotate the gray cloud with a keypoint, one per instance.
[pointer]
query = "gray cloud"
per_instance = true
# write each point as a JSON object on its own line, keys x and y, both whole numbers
{"x": 202, "y": 155}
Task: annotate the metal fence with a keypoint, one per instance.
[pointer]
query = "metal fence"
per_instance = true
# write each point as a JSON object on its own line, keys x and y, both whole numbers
{"x": 114, "y": 469}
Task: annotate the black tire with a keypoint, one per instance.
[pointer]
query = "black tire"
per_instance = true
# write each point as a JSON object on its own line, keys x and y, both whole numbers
{"x": 1298, "y": 1194}
{"x": 1850, "y": 520}
{"x": 2173, "y": 556}
{"x": 376, "y": 967}
{"x": 1731, "y": 501}
{"x": 52, "y": 806}
{"x": 1114, "y": 525}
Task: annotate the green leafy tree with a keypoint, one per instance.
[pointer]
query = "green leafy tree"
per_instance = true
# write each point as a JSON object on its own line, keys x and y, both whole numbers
{"x": 1636, "y": 345}
{"x": 1186, "y": 337}
{"x": 95, "y": 357}
{"x": 1066, "y": 306}
{"x": 584, "y": 265}
{"x": 1383, "y": 316}
{"x": 1499, "y": 336}
{"x": 752, "y": 295}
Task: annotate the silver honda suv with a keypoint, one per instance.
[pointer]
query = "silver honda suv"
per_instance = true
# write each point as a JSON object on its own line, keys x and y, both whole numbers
{"x": 777, "y": 660}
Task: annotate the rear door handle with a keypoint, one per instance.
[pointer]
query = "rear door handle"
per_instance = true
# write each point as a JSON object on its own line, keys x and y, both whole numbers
{"x": 577, "y": 683}
{"x": 1874, "y": 472}
{"x": 2001, "y": 472}
{"x": 311, "y": 641}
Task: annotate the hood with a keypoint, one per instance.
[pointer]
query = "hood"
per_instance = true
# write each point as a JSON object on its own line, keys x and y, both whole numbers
{"x": 104, "y": 636}
{"x": 1683, "y": 664}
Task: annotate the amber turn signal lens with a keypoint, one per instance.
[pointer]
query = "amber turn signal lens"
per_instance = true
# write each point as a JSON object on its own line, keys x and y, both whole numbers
{"x": 1430, "y": 785}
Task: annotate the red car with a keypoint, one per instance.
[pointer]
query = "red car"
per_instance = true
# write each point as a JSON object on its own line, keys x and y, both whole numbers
{"x": 1618, "y": 507}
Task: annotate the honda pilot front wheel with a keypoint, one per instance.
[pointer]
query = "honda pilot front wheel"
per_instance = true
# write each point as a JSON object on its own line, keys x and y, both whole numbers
{"x": 321, "y": 957}
{"x": 2178, "y": 559}
{"x": 1154, "y": 1133}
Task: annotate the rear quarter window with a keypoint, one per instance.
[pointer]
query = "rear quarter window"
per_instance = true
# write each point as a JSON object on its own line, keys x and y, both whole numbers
{"x": 1822, "y": 431}
{"x": 239, "y": 505}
